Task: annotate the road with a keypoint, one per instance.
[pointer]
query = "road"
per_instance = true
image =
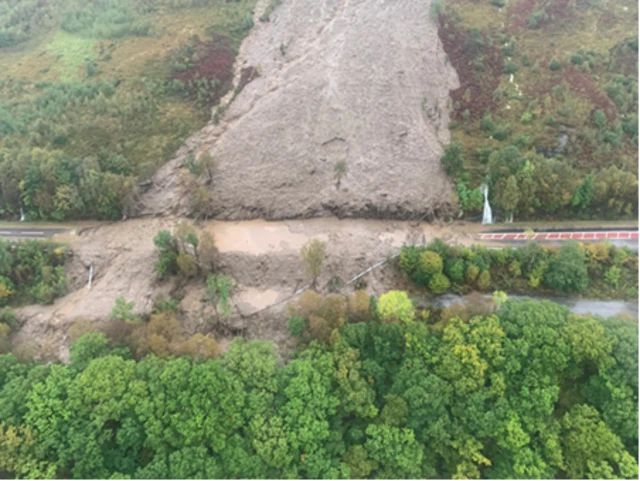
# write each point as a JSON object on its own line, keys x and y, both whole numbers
{"x": 619, "y": 237}
{"x": 25, "y": 232}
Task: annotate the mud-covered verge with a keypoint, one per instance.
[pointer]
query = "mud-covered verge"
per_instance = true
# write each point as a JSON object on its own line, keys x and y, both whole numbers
{"x": 262, "y": 257}
{"x": 347, "y": 116}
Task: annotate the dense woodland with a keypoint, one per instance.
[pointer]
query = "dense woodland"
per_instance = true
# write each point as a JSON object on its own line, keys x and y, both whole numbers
{"x": 546, "y": 112}
{"x": 80, "y": 133}
{"x": 31, "y": 272}
{"x": 597, "y": 270}
{"x": 527, "y": 391}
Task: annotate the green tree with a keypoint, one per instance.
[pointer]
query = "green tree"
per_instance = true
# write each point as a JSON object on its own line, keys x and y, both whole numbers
{"x": 439, "y": 284}
{"x": 452, "y": 160}
{"x": 218, "y": 293}
{"x": 507, "y": 195}
{"x": 395, "y": 306}
{"x": 567, "y": 270}
{"x": 87, "y": 348}
{"x": 429, "y": 264}
{"x": 313, "y": 253}
{"x": 396, "y": 452}
{"x": 591, "y": 449}
{"x": 167, "y": 263}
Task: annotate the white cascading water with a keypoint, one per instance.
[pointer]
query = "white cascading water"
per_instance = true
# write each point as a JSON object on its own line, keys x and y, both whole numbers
{"x": 486, "y": 213}
{"x": 21, "y": 215}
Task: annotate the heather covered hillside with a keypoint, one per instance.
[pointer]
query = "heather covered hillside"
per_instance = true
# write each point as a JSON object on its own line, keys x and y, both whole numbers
{"x": 546, "y": 111}
{"x": 95, "y": 96}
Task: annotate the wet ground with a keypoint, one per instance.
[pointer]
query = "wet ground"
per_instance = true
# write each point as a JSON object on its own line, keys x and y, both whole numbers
{"x": 577, "y": 306}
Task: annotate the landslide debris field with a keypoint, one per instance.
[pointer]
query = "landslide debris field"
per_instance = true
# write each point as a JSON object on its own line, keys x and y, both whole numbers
{"x": 263, "y": 258}
{"x": 331, "y": 119}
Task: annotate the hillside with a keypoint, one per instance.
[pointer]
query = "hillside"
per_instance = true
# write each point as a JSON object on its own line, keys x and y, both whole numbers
{"x": 344, "y": 114}
{"x": 95, "y": 96}
{"x": 546, "y": 111}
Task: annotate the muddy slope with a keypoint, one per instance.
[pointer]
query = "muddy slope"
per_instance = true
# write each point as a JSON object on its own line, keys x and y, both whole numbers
{"x": 362, "y": 82}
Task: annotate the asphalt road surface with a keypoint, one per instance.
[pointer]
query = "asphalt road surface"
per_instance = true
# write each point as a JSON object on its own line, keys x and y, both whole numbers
{"x": 25, "y": 232}
{"x": 619, "y": 237}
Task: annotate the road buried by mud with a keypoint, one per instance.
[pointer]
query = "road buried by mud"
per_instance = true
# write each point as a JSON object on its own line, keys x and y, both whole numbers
{"x": 262, "y": 257}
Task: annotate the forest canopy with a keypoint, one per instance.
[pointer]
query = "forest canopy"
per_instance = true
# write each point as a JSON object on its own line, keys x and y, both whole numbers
{"x": 525, "y": 391}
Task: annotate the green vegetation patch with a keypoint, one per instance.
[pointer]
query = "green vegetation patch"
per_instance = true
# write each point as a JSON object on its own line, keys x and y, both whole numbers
{"x": 556, "y": 81}
{"x": 111, "y": 101}
{"x": 377, "y": 389}
{"x": 599, "y": 271}
{"x": 31, "y": 272}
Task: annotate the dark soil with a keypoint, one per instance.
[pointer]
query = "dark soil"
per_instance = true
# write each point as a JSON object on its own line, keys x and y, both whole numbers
{"x": 520, "y": 12}
{"x": 582, "y": 84}
{"x": 211, "y": 60}
{"x": 480, "y": 85}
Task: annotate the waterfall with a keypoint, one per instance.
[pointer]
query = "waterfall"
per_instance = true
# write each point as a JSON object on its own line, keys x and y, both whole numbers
{"x": 90, "y": 275}
{"x": 486, "y": 213}
{"x": 21, "y": 215}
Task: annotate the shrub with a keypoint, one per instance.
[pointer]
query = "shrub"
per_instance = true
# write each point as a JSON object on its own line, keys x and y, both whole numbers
{"x": 612, "y": 276}
{"x": 297, "y": 325}
{"x": 502, "y": 132}
{"x": 123, "y": 311}
{"x": 8, "y": 317}
{"x": 487, "y": 124}
{"x": 6, "y": 290}
{"x": 510, "y": 67}
{"x": 514, "y": 269}
{"x": 439, "y": 283}
{"x": 187, "y": 265}
{"x": 484, "y": 280}
{"x": 567, "y": 270}
{"x": 577, "y": 59}
{"x": 599, "y": 118}
{"x": 620, "y": 256}
{"x": 526, "y": 118}
{"x": 555, "y": 65}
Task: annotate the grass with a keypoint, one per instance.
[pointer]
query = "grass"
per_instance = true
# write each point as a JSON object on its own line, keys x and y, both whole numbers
{"x": 72, "y": 53}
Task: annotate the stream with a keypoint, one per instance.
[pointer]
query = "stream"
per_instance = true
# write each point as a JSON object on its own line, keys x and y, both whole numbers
{"x": 577, "y": 306}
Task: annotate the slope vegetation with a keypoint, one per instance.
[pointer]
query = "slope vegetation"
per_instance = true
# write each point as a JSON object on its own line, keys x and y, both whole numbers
{"x": 95, "y": 96}
{"x": 546, "y": 111}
